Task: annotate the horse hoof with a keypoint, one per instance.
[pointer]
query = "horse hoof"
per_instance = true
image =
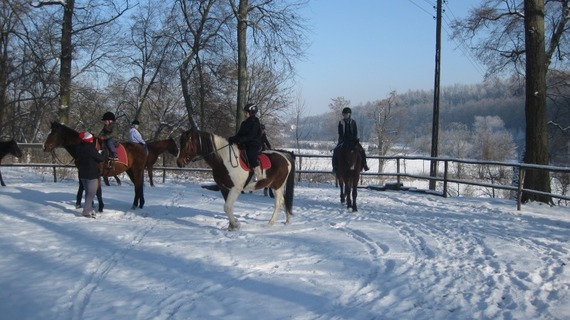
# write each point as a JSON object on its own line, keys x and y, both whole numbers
{"x": 233, "y": 227}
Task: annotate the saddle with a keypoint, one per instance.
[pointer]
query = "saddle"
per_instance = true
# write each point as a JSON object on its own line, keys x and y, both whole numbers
{"x": 121, "y": 154}
{"x": 264, "y": 161}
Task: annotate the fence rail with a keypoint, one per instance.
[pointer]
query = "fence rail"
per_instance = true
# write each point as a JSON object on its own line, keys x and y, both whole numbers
{"x": 444, "y": 173}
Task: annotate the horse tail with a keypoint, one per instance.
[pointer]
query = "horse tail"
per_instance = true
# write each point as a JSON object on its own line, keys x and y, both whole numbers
{"x": 290, "y": 184}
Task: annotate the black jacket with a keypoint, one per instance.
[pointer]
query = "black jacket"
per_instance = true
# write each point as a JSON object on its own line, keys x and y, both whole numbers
{"x": 249, "y": 133}
{"x": 347, "y": 130}
{"x": 87, "y": 160}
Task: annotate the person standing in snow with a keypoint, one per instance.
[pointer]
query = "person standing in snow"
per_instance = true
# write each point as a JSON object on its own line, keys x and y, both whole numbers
{"x": 87, "y": 163}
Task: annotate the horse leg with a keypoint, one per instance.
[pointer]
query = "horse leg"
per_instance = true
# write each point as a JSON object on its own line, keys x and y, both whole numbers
{"x": 106, "y": 179}
{"x": 141, "y": 194}
{"x": 117, "y": 180}
{"x": 341, "y": 187}
{"x": 79, "y": 195}
{"x": 2, "y": 180}
{"x": 99, "y": 195}
{"x": 229, "y": 208}
{"x": 347, "y": 190}
{"x": 149, "y": 170}
{"x": 354, "y": 193}
{"x": 278, "y": 203}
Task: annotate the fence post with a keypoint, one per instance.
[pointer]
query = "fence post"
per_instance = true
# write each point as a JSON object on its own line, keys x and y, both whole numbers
{"x": 53, "y": 167}
{"x": 398, "y": 173}
{"x": 520, "y": 187}
{"x": 445, "y": 167}
{"x": 163, "y": 171}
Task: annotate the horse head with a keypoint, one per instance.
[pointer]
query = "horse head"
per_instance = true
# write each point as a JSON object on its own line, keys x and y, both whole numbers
{"x": 350, "y": 153}
{"x": 14, "y": 149}
{"x": 60, "y": 135}
{"x": 189, "y": 141}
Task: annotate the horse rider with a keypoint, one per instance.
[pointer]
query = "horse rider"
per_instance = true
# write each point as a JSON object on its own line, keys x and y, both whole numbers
{"x": 135, "y": 136}
{"x": 347, "y": 131}
{"x": 265, "y": 145}
{"x": 248, "y": 138}
{"x": 106, "y": 134}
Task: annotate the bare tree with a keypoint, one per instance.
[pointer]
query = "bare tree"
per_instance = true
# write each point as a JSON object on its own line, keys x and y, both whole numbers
{"x": 69, "y": 28}
{"x": 277, "y": 31}
{"x": 387, "y": 121}
{"x": 511, "y": 36}
{"x": 457, "y": 143}
{"x": 300, "y": 132}
{"x": 201, "y": 27}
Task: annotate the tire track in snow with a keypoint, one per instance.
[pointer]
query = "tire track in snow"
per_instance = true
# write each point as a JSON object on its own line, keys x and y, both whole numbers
{"x": 100, "y": 269}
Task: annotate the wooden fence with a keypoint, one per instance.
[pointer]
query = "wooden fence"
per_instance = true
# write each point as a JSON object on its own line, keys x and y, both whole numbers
{"x": 310, "y": 166}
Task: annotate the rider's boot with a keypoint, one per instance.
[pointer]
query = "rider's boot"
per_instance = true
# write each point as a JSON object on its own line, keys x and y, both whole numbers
{"x": 259, "y": 174}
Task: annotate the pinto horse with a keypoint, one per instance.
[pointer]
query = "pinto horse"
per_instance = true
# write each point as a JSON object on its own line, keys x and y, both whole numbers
{"x": 155, "y": 149}
{"x": 348, "y": 172}
{"x": 231, "y": 178}
{"x": 8, "y": 147}
{"x": 62, "y": 136}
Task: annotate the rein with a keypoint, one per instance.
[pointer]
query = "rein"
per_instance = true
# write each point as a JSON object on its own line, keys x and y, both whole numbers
{"x": 203, "y": 156}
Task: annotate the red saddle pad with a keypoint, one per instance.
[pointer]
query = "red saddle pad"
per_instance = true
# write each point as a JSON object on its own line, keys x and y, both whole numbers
{"x": 264, "y": 161}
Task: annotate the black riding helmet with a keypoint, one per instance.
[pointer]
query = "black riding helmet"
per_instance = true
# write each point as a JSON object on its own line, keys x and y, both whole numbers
{"x": 346, "y": 110}
{"x": 108, "y": 116}
{"x": 251, "y": 108}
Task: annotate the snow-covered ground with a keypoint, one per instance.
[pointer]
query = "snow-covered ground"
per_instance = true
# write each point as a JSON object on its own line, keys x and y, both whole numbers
{"x": 401, "y": 256}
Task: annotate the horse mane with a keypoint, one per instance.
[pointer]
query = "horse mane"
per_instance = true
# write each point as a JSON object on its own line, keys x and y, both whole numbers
{"x": 210, "y": 143}
{"x": 67, "y": 131}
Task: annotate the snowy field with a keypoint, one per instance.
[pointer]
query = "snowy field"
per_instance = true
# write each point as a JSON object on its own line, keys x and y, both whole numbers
{"x": 401, "y": 256}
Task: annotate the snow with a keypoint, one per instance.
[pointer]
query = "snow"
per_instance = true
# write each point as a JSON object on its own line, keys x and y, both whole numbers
{"x": 403, "y": 255}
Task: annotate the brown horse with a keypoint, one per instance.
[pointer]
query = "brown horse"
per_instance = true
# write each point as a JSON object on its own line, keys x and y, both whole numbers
{"x": 231, "y": 177}
{"x": 62, "y": 136}
{"x": 348, "y": 172}
{"x": 8, "y": 147}
{"x": 155, "y": 149}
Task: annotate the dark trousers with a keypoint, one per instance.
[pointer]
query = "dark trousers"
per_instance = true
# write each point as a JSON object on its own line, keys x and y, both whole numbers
{"x": 251, "y": 152}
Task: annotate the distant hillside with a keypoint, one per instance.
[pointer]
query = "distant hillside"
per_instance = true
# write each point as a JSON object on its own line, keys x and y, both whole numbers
{"x": 458, "y": 103}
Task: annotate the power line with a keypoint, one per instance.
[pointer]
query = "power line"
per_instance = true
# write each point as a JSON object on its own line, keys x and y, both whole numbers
{"x": 421, "y": 8}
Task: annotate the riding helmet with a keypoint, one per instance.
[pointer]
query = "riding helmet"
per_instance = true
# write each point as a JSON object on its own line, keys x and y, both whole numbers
{"x": 135, "y": 123}
{"x": 251, "y": 108}
{"x": 108, "y": 116}
{"x": 86, "y": 136}
{"x": 346, "y": 110}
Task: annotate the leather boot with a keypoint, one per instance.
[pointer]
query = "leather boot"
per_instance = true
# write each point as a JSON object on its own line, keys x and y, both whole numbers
{"x": 259, "y": 174}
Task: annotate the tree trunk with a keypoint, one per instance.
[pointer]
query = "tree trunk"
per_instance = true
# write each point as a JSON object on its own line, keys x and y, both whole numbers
{"x": 242, "y": 60}
{"x": 65, "y": 66}
{"x": 535, "y": 105}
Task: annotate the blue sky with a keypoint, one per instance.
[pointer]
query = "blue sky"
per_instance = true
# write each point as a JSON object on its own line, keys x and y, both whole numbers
{"x": 363, "y": 49}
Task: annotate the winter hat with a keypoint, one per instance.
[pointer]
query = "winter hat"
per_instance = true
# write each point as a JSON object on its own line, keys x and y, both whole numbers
{"x": 86, "y": 136}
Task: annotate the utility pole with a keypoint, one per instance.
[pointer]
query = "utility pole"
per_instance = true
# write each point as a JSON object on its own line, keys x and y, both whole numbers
{"x": 435, "y": 122}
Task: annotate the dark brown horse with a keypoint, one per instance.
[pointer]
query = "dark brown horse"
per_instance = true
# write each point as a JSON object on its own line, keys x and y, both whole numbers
{"x": 348, "y": 172}
{"x": 231, "y": 178}
{"x": 8, "y": 147}
{"x": 62, "y": 136}
{"x": 155, "y": 149}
